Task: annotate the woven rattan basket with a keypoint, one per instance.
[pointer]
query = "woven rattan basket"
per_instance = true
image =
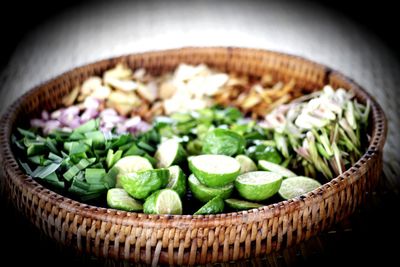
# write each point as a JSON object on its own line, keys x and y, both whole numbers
{"x": 190, "y": 239}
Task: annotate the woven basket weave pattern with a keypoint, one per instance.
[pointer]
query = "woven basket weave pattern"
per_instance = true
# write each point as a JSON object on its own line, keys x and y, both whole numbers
{"x": 186, "y": 239}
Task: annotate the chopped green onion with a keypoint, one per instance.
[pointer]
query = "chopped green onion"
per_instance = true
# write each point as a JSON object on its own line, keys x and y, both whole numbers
{"x": 97, "y": 138}
{"x": 93, "y": 176}
{"x": 26, "y": 133}
{"x": 26, "y": 167}
{"x": 112, "y": 157}
{"x": 54, "y": 157}
{"x": 89, "y": 126}
{"x": 38, "y": 159}
{"x": 43, "y": 171}
{"x": 134, "y": 150}
{"x": 81, "y": 165}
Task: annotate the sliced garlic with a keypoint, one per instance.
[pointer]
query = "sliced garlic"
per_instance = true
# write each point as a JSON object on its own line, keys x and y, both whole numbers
{"x": 124, "y": 85}
{"x": 101, "y": 92}
{"x": 149, "y": 91}
{"x": 139, "y": 74}
{"x": 90, "y": 84}
{"x": 167, "y": 90}
{"x": 124, "y": 103}
{"x": 120, "y": 72}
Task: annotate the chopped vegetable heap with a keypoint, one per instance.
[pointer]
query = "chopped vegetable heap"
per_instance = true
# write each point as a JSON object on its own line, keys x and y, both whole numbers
{"x": 203, "y": 152}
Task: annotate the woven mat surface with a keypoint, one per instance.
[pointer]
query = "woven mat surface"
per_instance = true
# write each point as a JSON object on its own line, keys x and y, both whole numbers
{"x": 89, "y": 33}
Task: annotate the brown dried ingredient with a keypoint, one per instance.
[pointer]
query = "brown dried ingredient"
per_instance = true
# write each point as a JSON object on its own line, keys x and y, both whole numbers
{"x": 257, "y": 97}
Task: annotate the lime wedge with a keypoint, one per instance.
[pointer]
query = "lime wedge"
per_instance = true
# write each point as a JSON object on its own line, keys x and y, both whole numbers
{"x": 141, "y": 184}
{"x": 168, "y": 153}
{"x": 259, "y": 185}
{"x": 177, "y": 180}
{"x": 238, "y": 204}
{"x": 246, "y": 164}
{"x": 215, "y": 205}
{"x": 205, "y": 193}
{"x": 118, "y": 198}
{"x": 165, "y": 201}
{"x": 214, "y": 170}
{"x": 272, "y": 167}
{"x": 296, "y": 186}
{"x": 130, "y": 164}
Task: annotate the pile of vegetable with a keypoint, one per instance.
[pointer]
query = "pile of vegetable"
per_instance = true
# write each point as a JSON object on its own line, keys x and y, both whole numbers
{"x": 201, "y": 160}
{"x": 80, "y": 162}
{"x": 322, "y": 133}
{"x": 124, "y": 99}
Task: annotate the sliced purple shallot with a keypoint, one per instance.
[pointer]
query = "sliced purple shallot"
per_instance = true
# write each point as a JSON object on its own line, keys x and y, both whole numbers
{"x": 69, "y": 118}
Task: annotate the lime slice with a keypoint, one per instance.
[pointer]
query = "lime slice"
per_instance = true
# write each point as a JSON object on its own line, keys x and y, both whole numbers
{"x": 246, "y": 164}
{"x": 238, "y": 204}
{"x": 141, "y": 184}
{"x": 297, "y": 186}
{"x": 130, "y": 164}
{"x": 118, "y": 198}
{"x": 259, "y": 185}
{"x": 214, "y": 170}
{"x": 177, "y": 180}
{"x": 205, "y": 193}
{"x": 165, "y": 201}
{"x": 169, "y": 152}
{"x": 215, "y": 205}
{"x": 272, "y": 167}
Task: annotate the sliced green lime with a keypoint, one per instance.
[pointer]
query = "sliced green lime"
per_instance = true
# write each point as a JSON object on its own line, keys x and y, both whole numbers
{"x": 165, "y": 201}
{"x": 246, "y": 164}
{"x": 214, "y": 170}
{"x": 259, "y": 185}
{"x": 296, "y": 186}
{"x": 238, "y": 204}
{"x": 118, "y": 198}
{"x": 177, "y": 180}
{"x": 272, "y": 167}
{"x": 169, "y": 152}
{"x": 215, "y": 205}
{"x": 141, "y": 184}
{"x": 223, "y": 142}
{"x": 205, "y": 193}
{"x": 130, "y": 164}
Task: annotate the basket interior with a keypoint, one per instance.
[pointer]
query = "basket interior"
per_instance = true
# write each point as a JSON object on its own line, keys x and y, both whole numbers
{"x": 308, "y": 75}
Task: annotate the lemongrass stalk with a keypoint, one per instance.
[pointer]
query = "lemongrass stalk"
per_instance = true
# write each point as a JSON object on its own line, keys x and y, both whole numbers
{"x": 334, "y": 133}
{"x": 357, "y": 110}
{"x": 333, "y": 165}
{"x": 317, "y": 161}
{"x": 293, "y": 141}
{"x": 286, "y": 162}
{"x": 349, "y": 131}
{"x": 322, "y": 151}
{"x": 349, "y": 115}
{"x": 365, "y": 115}
{"x": 281, "y": 144}
{"x": 344, "y": 140}
{"x": 338, "y": 158}
{"x": 324, "y": 142}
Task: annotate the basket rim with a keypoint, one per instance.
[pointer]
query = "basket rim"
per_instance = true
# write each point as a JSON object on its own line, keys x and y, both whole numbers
{"x": 378, "y": 137}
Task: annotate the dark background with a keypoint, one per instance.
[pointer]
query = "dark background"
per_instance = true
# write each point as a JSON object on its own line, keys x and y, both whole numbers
{"x": 366, "y": 245}
{"x": 379, "y": 17}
